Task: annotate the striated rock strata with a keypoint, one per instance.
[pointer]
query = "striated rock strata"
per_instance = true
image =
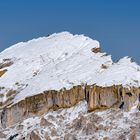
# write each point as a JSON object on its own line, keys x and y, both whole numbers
{"x": 96, "y": 97}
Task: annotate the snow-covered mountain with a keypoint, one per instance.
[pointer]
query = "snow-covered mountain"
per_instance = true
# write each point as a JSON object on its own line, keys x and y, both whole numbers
{"x": 62, "y": 60}
{"x": 57, "y": 63}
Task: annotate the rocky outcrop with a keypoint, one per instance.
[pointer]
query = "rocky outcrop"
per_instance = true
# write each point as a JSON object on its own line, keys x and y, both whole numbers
{"x": 96, "y": 50}
{"x": 2, "y": 72}
{"x": 96, "y": 97}
{"x": 6, "y": 63}
{"x": 7, "y": 97}
{"x": 45, "y": 122}
{"x": 34, "y": 136}
{"x": 106, "y": 97}
{"x": 41, "y": 103}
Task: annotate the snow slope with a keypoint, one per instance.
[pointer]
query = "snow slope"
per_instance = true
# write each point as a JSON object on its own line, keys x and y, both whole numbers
{"x": 62, "y": 60}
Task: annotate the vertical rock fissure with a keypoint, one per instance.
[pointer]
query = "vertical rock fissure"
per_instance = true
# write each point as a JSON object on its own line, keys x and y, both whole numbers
{"x": 85, "y": 91}
{"x": 139, "y": 101}
{"x": 3, "y": 118}
{"x": 121, "y": 92}
{"x": 99, "y": 99}
{"x": 86, "y": 94}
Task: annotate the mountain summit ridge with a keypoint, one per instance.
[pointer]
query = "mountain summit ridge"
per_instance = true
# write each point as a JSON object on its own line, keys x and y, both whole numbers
{"x": 63, "y": 60}
{"x": 64, "y": 87}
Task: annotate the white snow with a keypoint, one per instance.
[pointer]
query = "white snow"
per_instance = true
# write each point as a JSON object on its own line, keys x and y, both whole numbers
{"x": 63, "y": 60}
{"x": 124, "y": 72}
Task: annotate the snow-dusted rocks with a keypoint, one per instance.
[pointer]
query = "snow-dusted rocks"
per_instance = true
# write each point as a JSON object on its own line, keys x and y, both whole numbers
{"x": 77, "y": 123}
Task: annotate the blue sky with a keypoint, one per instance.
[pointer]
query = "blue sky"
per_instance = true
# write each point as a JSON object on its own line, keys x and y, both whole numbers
{"x": 115, "y": 23}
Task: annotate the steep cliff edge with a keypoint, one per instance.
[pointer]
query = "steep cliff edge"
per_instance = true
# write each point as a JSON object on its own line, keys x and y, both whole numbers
{"x": 95, "y": 96}
{"x": 60, "y": 71}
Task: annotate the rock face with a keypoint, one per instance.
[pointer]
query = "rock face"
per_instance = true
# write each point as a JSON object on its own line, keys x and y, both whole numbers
{"x": 41, "y": 103}
{"x": 2, "y": 72}
{"x": 96, "y": 50}
{"x": 106, "y": 97}
{"x": 96, "y": 97}
{"x": 6, "y": 63}
{"x": 10, "y": 94}
{"x": 34, "y": 136}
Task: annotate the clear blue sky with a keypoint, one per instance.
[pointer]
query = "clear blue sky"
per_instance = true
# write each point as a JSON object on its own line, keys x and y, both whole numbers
{"x": 115, "y": 23}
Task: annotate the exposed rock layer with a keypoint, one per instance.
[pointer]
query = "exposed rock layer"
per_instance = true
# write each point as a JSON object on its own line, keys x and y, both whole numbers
{"x": 96, "y": 97}
{"x": 2, "y": 72}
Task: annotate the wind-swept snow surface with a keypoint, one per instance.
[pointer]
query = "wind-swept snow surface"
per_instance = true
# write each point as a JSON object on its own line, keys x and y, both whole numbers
{"x": 62, "y": 60}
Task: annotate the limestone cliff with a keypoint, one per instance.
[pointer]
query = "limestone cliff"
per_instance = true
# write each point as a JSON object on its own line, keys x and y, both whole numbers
{"x": 95, "y": 96}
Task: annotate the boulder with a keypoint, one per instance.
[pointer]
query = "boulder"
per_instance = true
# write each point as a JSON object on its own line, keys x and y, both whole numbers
{"x": 96, "y": 50}
{"x": 2, "y": 72}
{"x": 34, "y": 136}
{"x": 45, "y": 122}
